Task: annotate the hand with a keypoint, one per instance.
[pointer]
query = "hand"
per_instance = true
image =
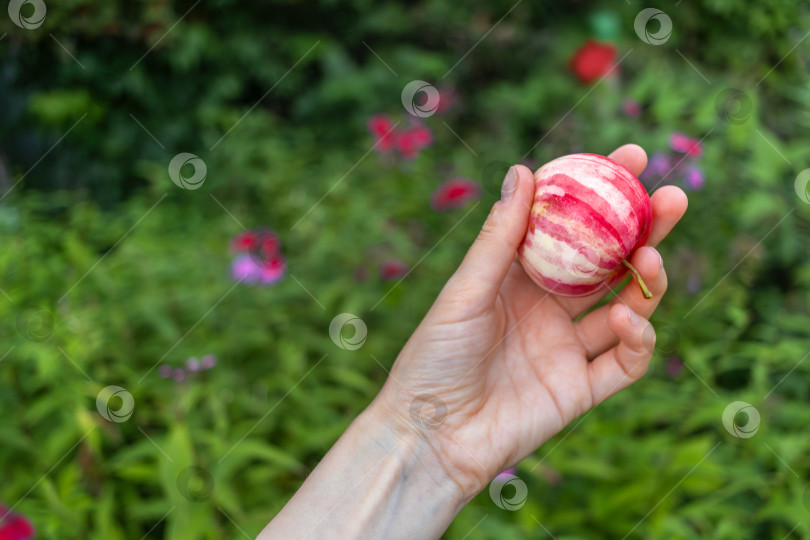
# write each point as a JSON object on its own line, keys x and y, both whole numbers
{"x": 503, "y": 363}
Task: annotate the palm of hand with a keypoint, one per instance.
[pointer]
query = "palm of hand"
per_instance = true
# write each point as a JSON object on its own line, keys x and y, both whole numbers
{"x": 512, "y": 374}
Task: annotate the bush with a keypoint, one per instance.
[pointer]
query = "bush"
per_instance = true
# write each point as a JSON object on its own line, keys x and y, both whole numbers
{"x": 110, "y": 271}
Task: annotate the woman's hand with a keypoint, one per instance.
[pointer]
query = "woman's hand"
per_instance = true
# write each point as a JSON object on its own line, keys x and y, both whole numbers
{"x": 498, "y": 365}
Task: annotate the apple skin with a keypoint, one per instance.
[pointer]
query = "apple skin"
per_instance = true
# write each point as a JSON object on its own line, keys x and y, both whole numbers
{"x": 589, "y": 215}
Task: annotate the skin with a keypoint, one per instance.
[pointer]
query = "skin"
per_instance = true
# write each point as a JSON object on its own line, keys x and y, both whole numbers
{"x": 504, "y": 368}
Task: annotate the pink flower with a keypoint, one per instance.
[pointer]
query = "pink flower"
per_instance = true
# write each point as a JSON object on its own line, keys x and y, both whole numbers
{"x": 686, "y": 144}
{"x": 694, "y": 178}
{"x": 454, "y": 193}
{"x": 631, "y": 108}
{"x": 193, "y": 364}
{"x": 382, "y": 127}
{"x": 179, "y": 375}
{"x": 208, "y": 361}
{"x": 246, "y": 268}
{"x": 393, "y": 269}
{"x": 165, "y": 371}
{"x": 14, "y": 526}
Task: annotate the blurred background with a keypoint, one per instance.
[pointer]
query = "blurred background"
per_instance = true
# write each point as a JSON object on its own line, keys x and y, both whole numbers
{"x": 191, "y": 192}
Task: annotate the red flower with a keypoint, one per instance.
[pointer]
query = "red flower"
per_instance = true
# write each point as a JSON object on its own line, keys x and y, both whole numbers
{"x": 411, "y": 140}
{"x": 393, "y": 269}
{"x": 686, "y": 144}
{"x": 408, "y": 142}
{"x": 407, "y": 146}
{"x": 245, "y": 241}
{"x": 14, "y": 526}
{"x": 382, "y": 127}
{"x": 593, "y": 61}
{"x": 267, "y": 246}
{"x": 454, "y": 193}
{"x": 262, "y": 243}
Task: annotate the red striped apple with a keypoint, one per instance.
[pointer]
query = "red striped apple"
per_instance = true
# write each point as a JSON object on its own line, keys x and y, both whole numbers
{"x": 589, "y": 215}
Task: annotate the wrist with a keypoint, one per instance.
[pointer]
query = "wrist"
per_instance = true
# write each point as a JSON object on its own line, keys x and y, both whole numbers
{"x": 427, "y": 419}
{"x": 420, "y": 464}
{"x": 370, "y": 485}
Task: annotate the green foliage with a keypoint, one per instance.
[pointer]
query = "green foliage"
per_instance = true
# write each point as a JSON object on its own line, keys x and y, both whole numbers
{"x": 132, "y": 272}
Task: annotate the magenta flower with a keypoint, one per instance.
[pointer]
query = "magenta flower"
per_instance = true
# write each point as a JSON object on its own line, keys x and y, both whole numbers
{"x": 14, "y": 526}
{"x": 393, "y": 269}
{"x": 261, "y": 261}
{"x": 686, "y": 145}
{"x": 246, "y": 269}
{"x": 455, "y": 193}
{"x": 631, "y": 108}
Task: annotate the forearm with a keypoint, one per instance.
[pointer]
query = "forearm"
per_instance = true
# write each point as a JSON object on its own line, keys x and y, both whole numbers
{"x": 377, "y": 481}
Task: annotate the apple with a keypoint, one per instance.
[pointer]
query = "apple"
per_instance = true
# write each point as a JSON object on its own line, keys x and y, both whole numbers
{"x": 589, "y": 215}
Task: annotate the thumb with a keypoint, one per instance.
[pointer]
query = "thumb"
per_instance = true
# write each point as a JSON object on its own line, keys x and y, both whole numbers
{"x": 489, "y": 258}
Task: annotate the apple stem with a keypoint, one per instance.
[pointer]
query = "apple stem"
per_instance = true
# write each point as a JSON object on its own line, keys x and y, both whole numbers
{"x": 644, "y": 290}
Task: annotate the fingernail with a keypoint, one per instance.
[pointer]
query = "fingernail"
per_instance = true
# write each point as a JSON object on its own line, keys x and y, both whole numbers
{"x": 634, "y": 319}
{"x": 660, "y": 260}
{"x": 509, "y": 184}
